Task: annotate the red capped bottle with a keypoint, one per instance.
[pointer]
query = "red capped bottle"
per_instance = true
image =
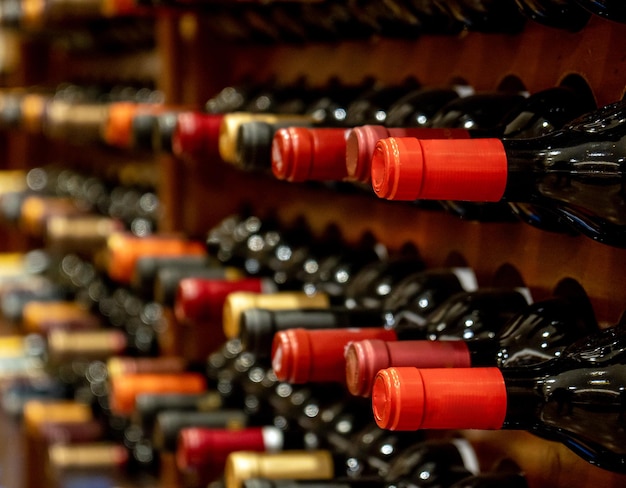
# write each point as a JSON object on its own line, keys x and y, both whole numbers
{"x": 573, "y": 399}
{"x": 540, "y": 332}
{"x": 300, "y": 355}
{"x": 575, "y": 172}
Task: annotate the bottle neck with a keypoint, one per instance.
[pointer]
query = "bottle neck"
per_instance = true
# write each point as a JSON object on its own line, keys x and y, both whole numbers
{"x": 568, "y": 167}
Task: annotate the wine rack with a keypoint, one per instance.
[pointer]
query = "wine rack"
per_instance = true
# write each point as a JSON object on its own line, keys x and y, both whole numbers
{"x": 190, "y": 64}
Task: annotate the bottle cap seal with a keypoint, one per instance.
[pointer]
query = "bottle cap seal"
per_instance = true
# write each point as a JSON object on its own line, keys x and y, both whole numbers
{"x": 125, "y": 388}
{"x": 407, "y": 398}
{"x": 365, "y": 358}
{"x": 302, "y": 355}
{"x": 198, "y": 446}
{"x": 118, "y": 129}
{"x": 406, "y": 168}
{"x": 43, "y": 316}
{"x": 360, "y": 146}
{"x": 124, "y": 249}
{"x": 197, "y": 135}
{"x": 229, "y": 129}
{"x": 237, "y": 302}
{"x": 294, "y": 464}
{"x": 201, "y": 300}
{"x": 305, "y": 154}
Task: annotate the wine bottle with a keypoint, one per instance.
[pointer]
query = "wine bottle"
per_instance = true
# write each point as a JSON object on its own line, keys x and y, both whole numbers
{"x": 124, "y": 249}
{"x": 301, "y": 355}
{"x": 124, "y": 389}
{"x": 42, "y": 317}
{"x": 545, "y": 171}
{"x": 318, "y": 153}
{"x": 570, "y": 399}
{"x": 540, "y": 332}
{"x": 196, "y": 136}
{"x": 423, "y": 289}
{"x": 206, "y": 449}
{"x": 536, "y": 115}
{"x": 166, "y": 272}
{"x": 103, "y": 462}
{"x": 298, "y": 464}
{"x": 254, "y": 139}
{"x": 170, "y": 423}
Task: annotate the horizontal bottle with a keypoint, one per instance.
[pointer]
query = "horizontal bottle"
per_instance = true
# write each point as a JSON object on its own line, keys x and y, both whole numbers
{"x": 258, "y": 326}
{"x": 298, "y": 464}
{"x": 101, "y": 463}
{"x": 125, "y": 388}
{"x": 202, "y": 448}
{"x": 164, "y": 273}
{"x": 231, "y": 123}
{"x": 39, "y": 412}
{"x": 235, "y": 304}
{"x": 570, "y": 399}
{"x": 536, "y": 115}
{"x": 149, "y": 405}
{"x": 196, "y": 136}
{"x": 414, "y": 295}
{"x": 71, "y": 432}
{"x": 301, "y": 355}
{"x": 537, "y": 170}
{"x": 123, "y": 250}
{"x": 169, "y": 424}
{"x": 41, "y": 317}
{"x": 201, "y": 300}
{"x": 80, "y": 233}
{"x": 254, "y": 143}
{"x": 123, "y": 365}
{"x": 538, "y": 333}
{"x": 15, "y": 297}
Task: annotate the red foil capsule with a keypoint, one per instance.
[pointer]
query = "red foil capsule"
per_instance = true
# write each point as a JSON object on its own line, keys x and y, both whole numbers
{"x": 407, "y": 398}
{"x": 365, "y": 358}
{"x": 200, "y": 447}
{"x": 197, "y": 135}
{"x": 302, "y": 355}
{"x": 305, "y": 154}
{"x": 201, "y": 300}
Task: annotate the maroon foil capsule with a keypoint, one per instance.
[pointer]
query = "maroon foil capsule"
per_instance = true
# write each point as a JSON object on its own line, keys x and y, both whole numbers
{"x": 361, "y": 142}
{"x": 365, "y": 358}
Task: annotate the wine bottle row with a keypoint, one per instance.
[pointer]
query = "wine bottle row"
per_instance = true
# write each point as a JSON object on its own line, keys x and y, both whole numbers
{"x": 303, "y": 21}
{"x": 530, "y": 147}
{"x": 289, "y": 370}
